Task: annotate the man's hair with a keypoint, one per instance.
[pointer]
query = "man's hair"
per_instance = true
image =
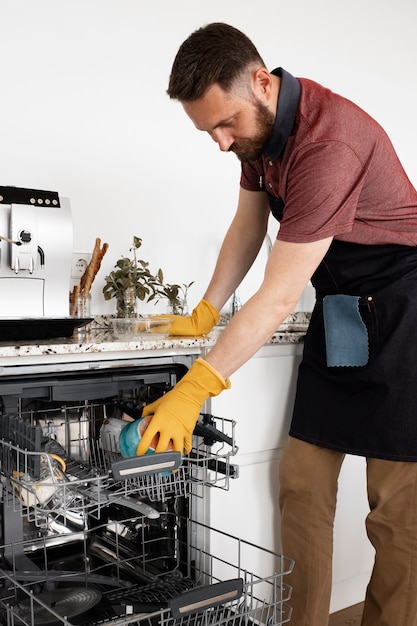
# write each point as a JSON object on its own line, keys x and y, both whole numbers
{"x": 216, "y": 53}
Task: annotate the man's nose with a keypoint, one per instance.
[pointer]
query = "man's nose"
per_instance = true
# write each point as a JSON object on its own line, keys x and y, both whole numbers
{"x": 223, "y": 138}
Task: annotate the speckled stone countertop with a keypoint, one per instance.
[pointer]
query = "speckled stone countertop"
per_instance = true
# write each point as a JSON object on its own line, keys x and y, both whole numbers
{"x": 98, "y": 338}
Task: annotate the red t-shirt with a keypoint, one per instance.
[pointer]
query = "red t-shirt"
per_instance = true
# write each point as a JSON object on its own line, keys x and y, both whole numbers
{"x": 338, "y": 176}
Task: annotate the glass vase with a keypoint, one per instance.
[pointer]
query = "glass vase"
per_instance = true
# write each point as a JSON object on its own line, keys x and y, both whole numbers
{"x": 126, "y": 303}
{"x": 177, "y": 307}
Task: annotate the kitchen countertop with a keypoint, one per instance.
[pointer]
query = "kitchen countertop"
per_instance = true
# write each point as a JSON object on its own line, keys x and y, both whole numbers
{"x": 98, "y": 338}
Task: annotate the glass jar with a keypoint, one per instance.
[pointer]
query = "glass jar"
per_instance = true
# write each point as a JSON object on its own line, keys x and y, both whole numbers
{"x": 177, "y": 307}
{"x": 126, "y": 304}
{"x": 83, "y": 306}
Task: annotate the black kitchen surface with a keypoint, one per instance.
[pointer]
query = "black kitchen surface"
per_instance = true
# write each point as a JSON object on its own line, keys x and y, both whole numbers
{"x": 31, "y": 329}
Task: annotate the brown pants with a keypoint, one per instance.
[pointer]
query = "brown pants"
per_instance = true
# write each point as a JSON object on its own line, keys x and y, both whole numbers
{"x": 308, "y": 489}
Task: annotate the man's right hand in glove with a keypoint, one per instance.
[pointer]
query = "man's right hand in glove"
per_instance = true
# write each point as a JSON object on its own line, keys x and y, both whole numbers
{"x": 175, "y": 414}
{"x": 200, "y": 322}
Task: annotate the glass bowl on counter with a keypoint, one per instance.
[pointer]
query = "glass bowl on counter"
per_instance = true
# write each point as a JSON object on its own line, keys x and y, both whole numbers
{"x": 141, "y": 328}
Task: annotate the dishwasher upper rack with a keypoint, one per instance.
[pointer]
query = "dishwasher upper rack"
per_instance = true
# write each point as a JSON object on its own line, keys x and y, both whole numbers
{"x": 208, "y": 578}
{"x": 54, "y": 463}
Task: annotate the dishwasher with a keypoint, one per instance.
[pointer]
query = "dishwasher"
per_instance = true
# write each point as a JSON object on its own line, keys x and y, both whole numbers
{"x": 89, "y": 537}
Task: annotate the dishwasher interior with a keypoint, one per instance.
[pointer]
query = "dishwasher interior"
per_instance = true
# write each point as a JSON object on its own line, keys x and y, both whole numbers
{"x": 89, "y": 537}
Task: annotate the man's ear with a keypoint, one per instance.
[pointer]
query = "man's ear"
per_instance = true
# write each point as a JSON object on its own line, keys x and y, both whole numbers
{"x": 262, "y": 83}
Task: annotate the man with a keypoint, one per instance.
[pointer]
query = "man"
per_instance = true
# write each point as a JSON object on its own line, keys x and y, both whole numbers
{"x": 348, "y": 222}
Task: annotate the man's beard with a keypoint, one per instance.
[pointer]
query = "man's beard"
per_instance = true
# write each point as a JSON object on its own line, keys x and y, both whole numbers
{"x": 252, "y": 149}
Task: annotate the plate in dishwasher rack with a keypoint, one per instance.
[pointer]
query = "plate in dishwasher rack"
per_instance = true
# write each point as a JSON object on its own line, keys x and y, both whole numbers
{"x": 28, "y": 328}
{"x": 72, "y": 604}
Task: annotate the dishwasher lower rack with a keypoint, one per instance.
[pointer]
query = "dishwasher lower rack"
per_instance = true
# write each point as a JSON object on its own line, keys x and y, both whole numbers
{"x": 60, "y": 462}
{"x": 123, "y": 573}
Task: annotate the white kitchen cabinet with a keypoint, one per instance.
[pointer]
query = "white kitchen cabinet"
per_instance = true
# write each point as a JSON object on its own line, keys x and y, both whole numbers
{"x": 261, "y": 400}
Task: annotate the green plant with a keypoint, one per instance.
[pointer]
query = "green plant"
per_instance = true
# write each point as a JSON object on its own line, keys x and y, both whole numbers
{"x": 175, "y": 294}
{"x": 133, "y": 274}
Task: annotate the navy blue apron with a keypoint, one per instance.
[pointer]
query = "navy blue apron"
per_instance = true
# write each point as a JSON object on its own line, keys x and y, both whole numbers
{"x": 370, "y": 409}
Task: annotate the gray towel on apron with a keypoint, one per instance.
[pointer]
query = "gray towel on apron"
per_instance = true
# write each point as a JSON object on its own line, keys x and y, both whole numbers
{"x": 346, "y": 334}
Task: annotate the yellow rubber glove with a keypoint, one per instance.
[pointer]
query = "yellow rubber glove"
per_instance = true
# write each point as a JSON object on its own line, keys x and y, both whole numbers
{"x": 200, "y": 322}
{"x": 175, "y": 414}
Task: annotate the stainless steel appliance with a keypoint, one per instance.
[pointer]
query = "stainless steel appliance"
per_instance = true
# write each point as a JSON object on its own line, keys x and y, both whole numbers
{"x": 36, "y": 239}
{"x": 91, "y": 538}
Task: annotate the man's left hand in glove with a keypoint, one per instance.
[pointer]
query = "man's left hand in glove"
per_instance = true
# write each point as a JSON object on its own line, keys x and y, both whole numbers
{"x": 175, "y": 414}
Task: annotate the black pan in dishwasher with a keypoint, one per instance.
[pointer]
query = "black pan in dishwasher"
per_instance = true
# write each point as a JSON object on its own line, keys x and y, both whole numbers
{"x": 89, "y": 537}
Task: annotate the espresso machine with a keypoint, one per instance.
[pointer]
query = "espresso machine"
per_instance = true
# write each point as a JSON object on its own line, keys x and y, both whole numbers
{"x": 36, "y": 240}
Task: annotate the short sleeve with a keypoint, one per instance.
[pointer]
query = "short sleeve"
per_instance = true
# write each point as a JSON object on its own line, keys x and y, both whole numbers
{"x": 322, "y": 189}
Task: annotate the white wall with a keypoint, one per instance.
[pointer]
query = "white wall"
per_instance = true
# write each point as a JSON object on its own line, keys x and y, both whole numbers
{"x": 84, "y": 110}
